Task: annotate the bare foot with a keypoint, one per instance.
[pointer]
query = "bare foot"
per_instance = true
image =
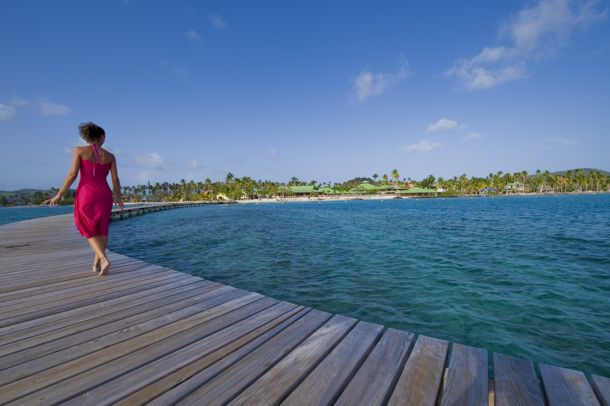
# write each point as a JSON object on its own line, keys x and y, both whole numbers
{"x": 104, "y": 266}
{"x": 96, "y": 265}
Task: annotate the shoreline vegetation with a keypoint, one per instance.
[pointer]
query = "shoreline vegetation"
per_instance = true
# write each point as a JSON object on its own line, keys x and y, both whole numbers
{"x": 248, "y": 190}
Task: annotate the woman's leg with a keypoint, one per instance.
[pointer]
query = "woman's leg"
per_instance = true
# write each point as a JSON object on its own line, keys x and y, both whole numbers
{"x": 104, "y": 242}
{"x": 97, "y": 244}
{"x": 97, "y": 251}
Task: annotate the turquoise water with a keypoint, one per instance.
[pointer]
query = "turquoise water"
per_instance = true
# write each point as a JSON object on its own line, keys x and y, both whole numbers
{"x": 10, "y": 214}
{"x": 527, "y": 276}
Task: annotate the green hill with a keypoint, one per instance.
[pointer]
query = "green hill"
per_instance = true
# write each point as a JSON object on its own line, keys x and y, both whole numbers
{"x": 585, "y": 170}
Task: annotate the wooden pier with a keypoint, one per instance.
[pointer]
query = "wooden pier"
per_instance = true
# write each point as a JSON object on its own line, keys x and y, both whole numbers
{"x": 145, "y": 208}
{"x": 147, "y": 334}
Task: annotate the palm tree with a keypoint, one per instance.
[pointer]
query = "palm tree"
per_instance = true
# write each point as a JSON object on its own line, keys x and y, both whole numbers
{"x": 375, "y": 176}
{"x": 395, "y": 175}
{"x": 463, "y": 182}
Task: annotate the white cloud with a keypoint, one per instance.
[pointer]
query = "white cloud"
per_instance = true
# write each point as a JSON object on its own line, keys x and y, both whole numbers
{"x": 218, "y": 22}
{"x": 369, "y": 84}
{"x": 150, "y": 160}
{"x": 535, "y": 32}
{"x": 193, "y": 35}
{"x": 48, "y": 108}
{"x": 195, "y": 164}
{"x": 473, "y": 136}
{"x": 442, "y": 124}
{"x": 423, "y": 146}
{"x": 6, "y": 111}
{"x": 474, "y": 76}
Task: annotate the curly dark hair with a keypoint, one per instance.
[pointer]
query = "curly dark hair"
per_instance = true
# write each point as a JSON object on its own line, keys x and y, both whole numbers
{"x": 91, "y": 132}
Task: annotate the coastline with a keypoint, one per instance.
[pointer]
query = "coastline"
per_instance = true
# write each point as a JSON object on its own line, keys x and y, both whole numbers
{"x": 344, "y": 198}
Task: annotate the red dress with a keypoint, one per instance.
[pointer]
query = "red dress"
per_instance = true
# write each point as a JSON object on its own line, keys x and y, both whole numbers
{"x": 93, "y": 202}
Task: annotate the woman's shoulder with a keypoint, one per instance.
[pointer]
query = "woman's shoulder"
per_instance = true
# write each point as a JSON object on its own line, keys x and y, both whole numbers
{"x": 109, "y": 154}
{"x": 79, "y": 149}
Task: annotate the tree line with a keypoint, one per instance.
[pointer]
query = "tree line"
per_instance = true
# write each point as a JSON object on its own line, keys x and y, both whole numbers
{"x": 232, "y": 187}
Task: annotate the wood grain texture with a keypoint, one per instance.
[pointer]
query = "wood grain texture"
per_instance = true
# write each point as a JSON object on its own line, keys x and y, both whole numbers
{"x": 515, "y": 382}
{"x": 280, "y": 380}
{"x": 69, "y": 369}
{"x": 325, "y": 383}
{"x": 601, "y": 386}
{"x": 175, "y": 386}
{"x": 420, "y": 379}
{"x": 566, "y": 387}
{"x": 227, "y": 385}
{"x": 467, "y": 382}
{"x": 377, "y": 376}
{"x": 182, "y": 353}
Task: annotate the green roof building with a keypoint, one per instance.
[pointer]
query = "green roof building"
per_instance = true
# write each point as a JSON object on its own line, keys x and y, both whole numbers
{"x": 302, "y": 190}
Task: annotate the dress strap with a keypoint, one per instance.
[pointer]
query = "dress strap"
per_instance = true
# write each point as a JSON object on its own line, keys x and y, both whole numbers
{"x": 97, "y": 156}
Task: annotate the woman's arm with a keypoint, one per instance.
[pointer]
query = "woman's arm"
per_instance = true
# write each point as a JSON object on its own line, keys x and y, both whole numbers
{"x": 116, "y": 183}
{"x": 72, "y": 174}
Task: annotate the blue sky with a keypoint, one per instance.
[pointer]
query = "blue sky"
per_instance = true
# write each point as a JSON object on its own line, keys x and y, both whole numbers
{"x": 319, "y": 90}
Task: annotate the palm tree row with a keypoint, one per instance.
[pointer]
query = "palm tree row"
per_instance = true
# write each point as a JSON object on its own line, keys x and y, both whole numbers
{"x": 232, "y": 187}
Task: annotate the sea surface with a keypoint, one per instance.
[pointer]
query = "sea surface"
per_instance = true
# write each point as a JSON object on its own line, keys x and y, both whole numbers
{"x": 10, "y": 214}
{"x": 526, "y": 276}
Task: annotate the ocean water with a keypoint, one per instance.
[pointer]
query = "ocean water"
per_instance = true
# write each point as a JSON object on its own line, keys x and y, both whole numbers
{"x": 526, "y": 276}
{"x": 11, "y": 214}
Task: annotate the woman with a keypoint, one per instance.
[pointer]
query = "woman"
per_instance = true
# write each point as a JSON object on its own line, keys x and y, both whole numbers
{"x": 93, "y": 202}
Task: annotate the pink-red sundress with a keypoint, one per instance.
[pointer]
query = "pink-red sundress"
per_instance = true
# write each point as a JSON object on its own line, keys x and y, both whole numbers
{"x": 93, "y": 202}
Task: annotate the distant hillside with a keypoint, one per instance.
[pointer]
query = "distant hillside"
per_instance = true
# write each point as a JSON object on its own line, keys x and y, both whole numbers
{"x": 585, "y": 170}
{"x": 24, "y": 197}
{"x": 25, "y": 192}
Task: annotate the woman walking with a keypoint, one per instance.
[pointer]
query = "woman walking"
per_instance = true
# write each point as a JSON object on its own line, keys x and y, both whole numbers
{"x": 93, "y": 202}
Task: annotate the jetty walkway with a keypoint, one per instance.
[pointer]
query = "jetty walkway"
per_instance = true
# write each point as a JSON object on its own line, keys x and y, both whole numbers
{"x": 139, "y": 209}
{"x": 148, "y": 334}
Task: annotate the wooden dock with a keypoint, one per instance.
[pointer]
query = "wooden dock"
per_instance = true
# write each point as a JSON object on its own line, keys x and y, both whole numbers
{"x": 146, "y": 208}
{"x": 147, "y": 334}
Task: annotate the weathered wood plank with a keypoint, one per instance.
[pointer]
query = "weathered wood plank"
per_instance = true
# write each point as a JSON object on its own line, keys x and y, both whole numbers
{"x": 467, "y": 382}
{"x": 177, "y": 286}
{"x": 374, "y": 380}
{"x": 222, "y": 387}
{"x": 71, "y": 347}
{"x": 515, "y": 382}
{"x": 420, "y": 380}
{"x": 75, "y": 304}
{"x": 111, "y": 366}
{"x": 601, "y": 386}
{"x": 167, "y": 389}
{"x": 143, "y": 272}
{"x": 125, "y": 385}
{"x": 56, "y": 340}
{"x": 150, "y": 288}
{"x": 566, "y": 387}
{"x": 279, "y": 381}
{"x": 53, "y": 375}
{"x": 325, "y": 383}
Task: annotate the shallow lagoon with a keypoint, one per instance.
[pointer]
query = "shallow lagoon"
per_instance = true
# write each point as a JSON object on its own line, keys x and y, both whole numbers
{"x": 527, "y": 276}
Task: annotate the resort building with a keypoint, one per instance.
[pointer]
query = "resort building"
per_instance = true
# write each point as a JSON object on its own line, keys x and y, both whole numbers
{"x": 514, "y": 187}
